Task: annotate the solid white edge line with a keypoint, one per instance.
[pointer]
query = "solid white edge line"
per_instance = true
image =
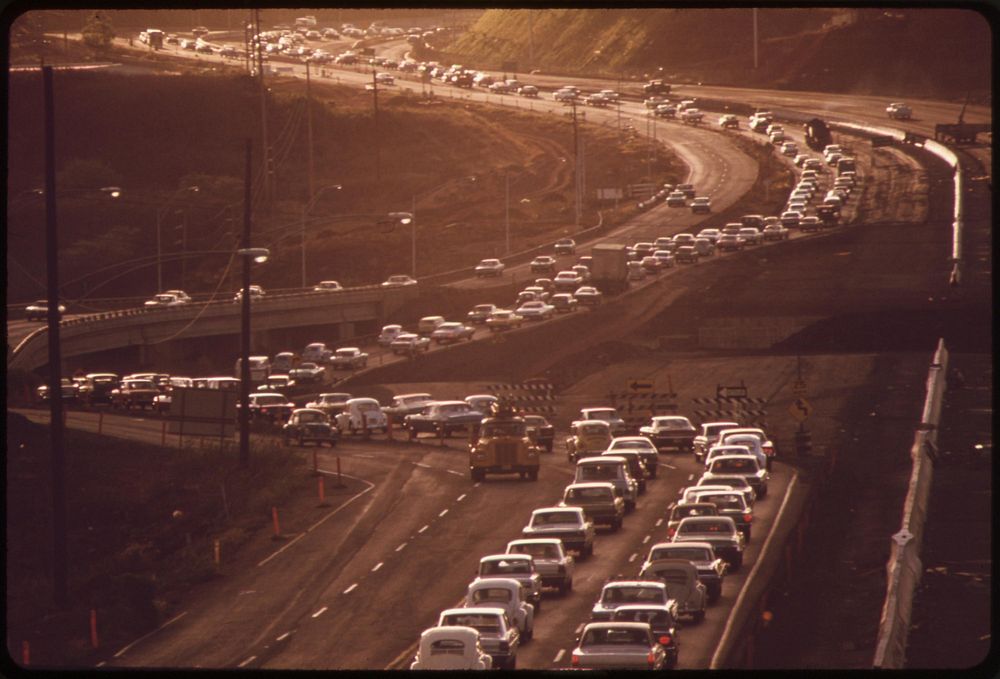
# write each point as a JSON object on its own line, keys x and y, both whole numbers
{"x": 318, "y": 523}
{"x": 319, "y": 612}
{"x": 559, "y": 655}
{"x": 168, "y": 622}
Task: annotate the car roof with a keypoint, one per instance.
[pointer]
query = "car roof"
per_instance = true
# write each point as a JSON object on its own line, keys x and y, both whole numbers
{"x": 601, "y": 459}
{"x": 592, "y": 484}
{"x": 308, "y": 410}
{"x": 549, "y": 510}
{"x": 478, "y": 610}
{"x": 635, "y": 583}
{"x": 484, "y": 583}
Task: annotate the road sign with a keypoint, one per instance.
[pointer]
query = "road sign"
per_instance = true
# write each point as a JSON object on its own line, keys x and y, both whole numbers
{"x": 800, "y": 410}
{"x": 639, "y": 384}
{"x": 739, "y": 391}
{"x": 641, "y": 190}
{"x": 799, "y": 387}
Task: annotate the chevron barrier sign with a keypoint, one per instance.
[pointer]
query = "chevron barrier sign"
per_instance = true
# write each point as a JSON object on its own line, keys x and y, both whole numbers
{"x": 537, "y": 402}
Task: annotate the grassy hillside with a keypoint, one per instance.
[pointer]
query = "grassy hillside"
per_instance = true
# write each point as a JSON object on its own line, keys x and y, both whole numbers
{"x": 906, "y": 52}
{"x": 152, "y": 134}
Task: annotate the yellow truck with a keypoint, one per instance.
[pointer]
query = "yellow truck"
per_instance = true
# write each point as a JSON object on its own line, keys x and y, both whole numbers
{"x": 502, "y": 446}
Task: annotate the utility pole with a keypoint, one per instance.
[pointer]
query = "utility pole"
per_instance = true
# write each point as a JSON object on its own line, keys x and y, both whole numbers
{"x": 59, "y": 551}
{"x": 506, "y": 211}
{"x": 378, "y": 146}
{"x": 265, "y": 155}
{"x": 576, "y": 164}
{"x": 244, "y": 421}
{"x": 755, "y": 38}
{"x": 309, "y": 130}
{"x": 413, "y": 236}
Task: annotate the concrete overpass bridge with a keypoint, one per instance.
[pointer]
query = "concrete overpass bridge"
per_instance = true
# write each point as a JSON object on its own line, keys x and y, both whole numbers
{"x": 169, "y": 334}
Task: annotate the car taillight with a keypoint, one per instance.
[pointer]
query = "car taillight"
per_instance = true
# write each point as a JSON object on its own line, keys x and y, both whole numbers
{"x": 769, "y": 450}
{"x": 671, "y": 532}
{"x": 748, "y": 517}
{"x": 651, "y": 658}
{"x": 575, "y": 660}
{"x": 665, "y": 640}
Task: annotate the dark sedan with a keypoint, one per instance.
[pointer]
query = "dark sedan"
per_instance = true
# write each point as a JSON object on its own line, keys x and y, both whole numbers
{"x": 442, "y": 418}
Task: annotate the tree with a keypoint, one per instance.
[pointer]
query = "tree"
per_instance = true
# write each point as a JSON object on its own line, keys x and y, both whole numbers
{"x": 98, "y": 32}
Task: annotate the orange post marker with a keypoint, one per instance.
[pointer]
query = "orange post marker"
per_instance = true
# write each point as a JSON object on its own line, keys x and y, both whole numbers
{"x": 25, "y": 653}
{"x": 274, "y": 517}
{"x": 93, "y": 628}
{"x": 322, "y": 488}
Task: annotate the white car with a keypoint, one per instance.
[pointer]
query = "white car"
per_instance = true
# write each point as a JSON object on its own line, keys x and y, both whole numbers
{"x": 535, "y": 311}
{"x": 692, "y": 115}
{"x": 350, "y": 358}
{"x": 162, "y": 300}
{"x": 729, "y": 121}
{"x": 789, "y": 148}
{"x": 489, "y": 267}
{"x": 316, "y": 352}
{"x": 389, "y": 334}
{"x": 179, "y": 294}
{"x": 552, "y": 561}
{"x": 451, "y": 647}
{"x": 256, "y": 293}
{"x": 588, "y": 295}
{"x": 452, "y": 331}
{"x": 790, "y": 218}
{"x": 505, "y": 593}
{"x": 328, "y": 286}
{"x": 398, "y": 281}
{"x": 359, "y": 412}
{"x": 567, "y": 281}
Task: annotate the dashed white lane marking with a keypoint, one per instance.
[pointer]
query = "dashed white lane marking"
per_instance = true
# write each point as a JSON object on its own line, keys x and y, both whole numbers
{"x": 579, "y": 628}
{"x": 452, "y": 471}
{"x": 421, "y": 464}
{"x": 319, "y": 612}
{"x": 632, "y": 558}
{"x": 659, "y": 522}
{"x": 460, "y": 497}
{"x": 443, "y": 512}
{"x": 101, "y": 664}
{"x": 646, "y": 539}
{"x": 690, "y": 477}
{"x": 424, "y": 528}
{"x": 401, "y": 547}
{"x": 476, "y": 485}
{"x": 668, "y": 466}
{"x": 247, "y": 661}
{"x": 283, "y": 636}
{"x": 351, "y": 588}
{"x": 377, "y": 566}
{"x": 559, "y": 655}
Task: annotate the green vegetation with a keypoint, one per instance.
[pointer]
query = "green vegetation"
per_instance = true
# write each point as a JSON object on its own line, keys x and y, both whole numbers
{"x": 906, "y": 52}
{"x": 98, "y": 32}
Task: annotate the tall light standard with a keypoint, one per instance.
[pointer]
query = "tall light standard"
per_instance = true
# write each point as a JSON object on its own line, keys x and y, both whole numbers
{"x": 60, "y": 559}
{"x": 159, "y": 222}
{"x": 405, "y": 218}
{"x": 305, "y": 213}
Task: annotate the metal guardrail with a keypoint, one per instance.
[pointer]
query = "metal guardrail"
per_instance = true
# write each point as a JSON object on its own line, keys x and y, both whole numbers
{"x": 904, "y": 567}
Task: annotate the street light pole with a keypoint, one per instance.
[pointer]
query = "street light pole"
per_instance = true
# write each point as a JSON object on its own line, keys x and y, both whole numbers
{"x": 244, "y": 455}
{"x": 506, "y": 212}
{"x": 59, "y": 550}
{"x": 413, "y": 237}
{"x": 159, "y": 228}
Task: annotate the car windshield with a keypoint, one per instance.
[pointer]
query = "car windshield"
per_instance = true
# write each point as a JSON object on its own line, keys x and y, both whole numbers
{"x": 367, "y": 406}
{"x": 494, "y": 429}
{"x": 732, "y": 481}
{"x": 681, "y": 511}
{"x": 537, "y": 550}
{"x": 735, "y": 466}
{"x": 504, "y": 567}
{"x": 140, "y": 384}
{"x": 652, "y": 617}
{"x": 703, "y": 527}
{"x": 307, "y": 366}
{"x": 630, "y": 445}
{"x": 725, "y": 501}
{"x": 615, "y": 637}
{"x": 492, "y": 594}
{"x": 551, "y": 518}
{"x": 270, "y": 400}
{"x": 620, "y": 595}
{"x": 593, "y": 430}
{"x": 346, "y": 353}
{"x": 312, "y": 417}
{"x": 589, "y": 494}
{"x": 483, "y": 622}
{"x": 687, "y": 553}
{"x": 598, "y": 471}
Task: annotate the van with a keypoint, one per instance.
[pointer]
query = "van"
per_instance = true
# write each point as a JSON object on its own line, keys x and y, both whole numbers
{"x": 613, "y": 470}
{"x": 260, "y": 368}
{"x": 846, "y": 165}
{"x": 428, "y": 324}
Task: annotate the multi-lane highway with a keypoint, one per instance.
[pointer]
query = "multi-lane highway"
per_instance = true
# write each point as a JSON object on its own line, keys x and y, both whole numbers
{"x": 403, "y": 539}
